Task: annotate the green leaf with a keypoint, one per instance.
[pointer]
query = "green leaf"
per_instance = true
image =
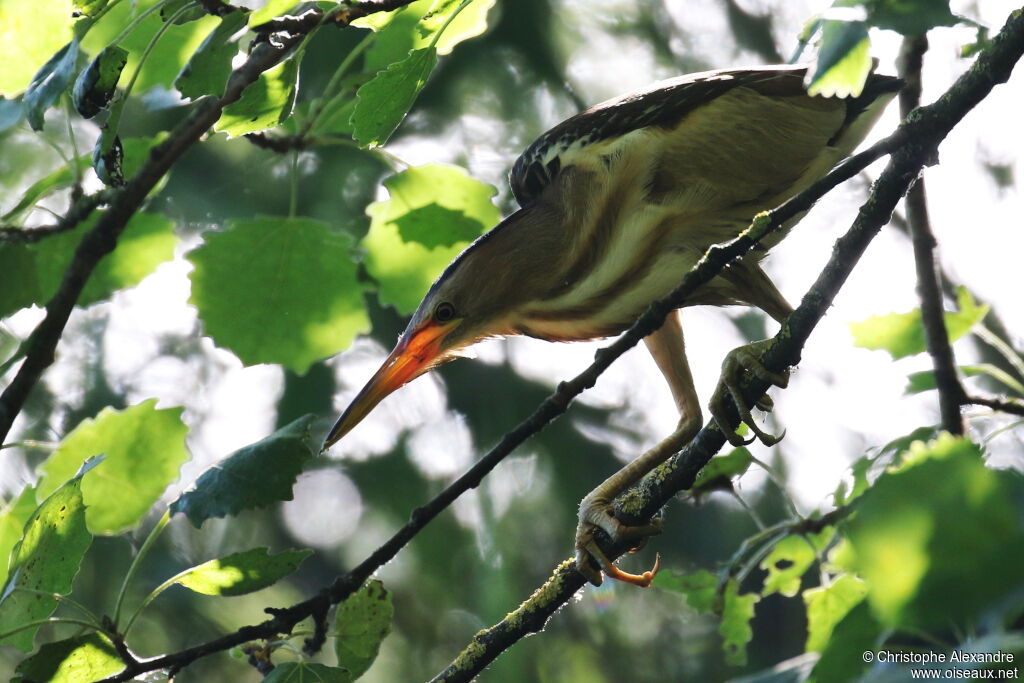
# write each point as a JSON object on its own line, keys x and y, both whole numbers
{"x": 416, "y": 25}
{"x": 700, "y": 588}
{"x": 271, "y": 10}
{"x": 902, "y": 334}
{"x": 207, "y": 71}
{"x": 923, "y": 527}
{"x": 844, "y": 60}
{"x": 12, "y": 523}
{"x": 46, "y": 559}
{"x": 384, "y": 101}
{"x": 278, "y": 290}
{"x": 827, "y": 605}
{"x": 918, "y": 382}
{"x": 361, "y": 623}
{"x": 241, "y": 573}
{"x": 264, "y": 104}
{"x": 37, "y": 269}
{"x": 786, "y": 564}
{"x": 307, "y": 672}
{"x": 257, "y": 475}
{"x": 910, "y": 17}
{"x": 842, "y": 658}
{"x": 49, "y": 83}
{"x": 719, "y": 472}
{"x": 95, "y": 86}
{"x": 33, "y": 32}
{"x": 737, "y": 611}
{"x": 89, "y": 8}
{"x": 403, "y": 267}
{"x": 144, "y": 450}
{"x": 81, "y": 659}
{"x": 167, "y": 56}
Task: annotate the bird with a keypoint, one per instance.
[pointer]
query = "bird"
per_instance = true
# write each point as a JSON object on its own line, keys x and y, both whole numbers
{"x": 617, "y": 203}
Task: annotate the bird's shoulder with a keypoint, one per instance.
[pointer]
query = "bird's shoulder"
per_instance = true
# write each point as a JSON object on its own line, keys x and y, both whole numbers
{"x": 660, "y": 105}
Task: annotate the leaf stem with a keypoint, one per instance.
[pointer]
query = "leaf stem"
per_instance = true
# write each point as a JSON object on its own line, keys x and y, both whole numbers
{"x": 147, "y": 545}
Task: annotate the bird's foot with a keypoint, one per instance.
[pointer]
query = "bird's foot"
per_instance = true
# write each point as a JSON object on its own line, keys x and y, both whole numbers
{"x": 745, "y": 358}
{"x": 591, "y": 561}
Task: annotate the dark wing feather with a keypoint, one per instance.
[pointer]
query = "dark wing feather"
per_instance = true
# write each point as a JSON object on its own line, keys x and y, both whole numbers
{"x": 662, "y": 104}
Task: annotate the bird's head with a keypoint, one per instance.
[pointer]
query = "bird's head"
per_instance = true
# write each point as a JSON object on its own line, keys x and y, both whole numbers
{"x": 471, "y": 300}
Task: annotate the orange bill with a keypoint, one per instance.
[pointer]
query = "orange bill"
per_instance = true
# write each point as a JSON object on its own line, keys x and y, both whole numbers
{"x": 416, "y": 352}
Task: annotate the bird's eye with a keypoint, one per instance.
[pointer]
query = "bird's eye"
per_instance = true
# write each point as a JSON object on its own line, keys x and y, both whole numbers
{"x": 444, "y": 312}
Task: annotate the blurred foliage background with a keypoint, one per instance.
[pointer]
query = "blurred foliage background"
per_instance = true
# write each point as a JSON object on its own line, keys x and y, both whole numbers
{"x": 538, "y": 62}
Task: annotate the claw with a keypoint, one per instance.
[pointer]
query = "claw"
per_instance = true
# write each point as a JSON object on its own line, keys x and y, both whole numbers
{"x": 745, "y": 358}
{"x": 608, "y": 567}
{"x": 592, "y": 562}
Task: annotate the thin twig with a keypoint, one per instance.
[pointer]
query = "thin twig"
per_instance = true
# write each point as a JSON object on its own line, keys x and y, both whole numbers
{"x": 79, "y": 211}
{"x": 951, "y": 391}
{"x": 923, "y": 131}
{"x": 1002, "y": 404}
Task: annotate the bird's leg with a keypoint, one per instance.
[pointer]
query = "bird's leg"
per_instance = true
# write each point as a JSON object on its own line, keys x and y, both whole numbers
{"x": 596, "y": 511}
{"x": 747, "y": 358}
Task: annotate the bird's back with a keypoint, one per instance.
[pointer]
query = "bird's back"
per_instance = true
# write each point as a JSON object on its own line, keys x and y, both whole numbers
{"x": 646, "y": 182}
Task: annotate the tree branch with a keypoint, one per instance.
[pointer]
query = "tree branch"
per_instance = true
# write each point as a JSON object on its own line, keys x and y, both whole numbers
{"x": 78, "y": 212}
{"x": 951, "y": 391}
{"x": 922, "y": 132}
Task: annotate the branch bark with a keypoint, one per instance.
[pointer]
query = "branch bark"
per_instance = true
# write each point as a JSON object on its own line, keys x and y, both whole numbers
{"x": 922, "y": 132}
{"x": 951, "y": 391}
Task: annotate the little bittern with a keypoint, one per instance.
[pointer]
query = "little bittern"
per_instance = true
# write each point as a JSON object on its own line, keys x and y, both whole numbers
{"x": 618, "y": 203}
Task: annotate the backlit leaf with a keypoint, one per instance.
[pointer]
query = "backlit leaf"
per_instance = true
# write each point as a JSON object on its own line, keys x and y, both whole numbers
{"x": 278, "y": 290}
{"x": 786, "y": 564}
{"x": 737, "y": 611}
{"x": 38, "y": 30}
{"x": 46, "y": 559}
{"x": 144, "y": 449}
{"x": 241, "y": 573}
{"x": 383, "y": 102}
{"x": 844, "y": 60}
{"x": 922, "y": 527}
{"x": 207, "y": 71}
{"x": 700, "y": 587}
{"x": 432, "y": 213}
{"x": 81, "y": 659}
{"x": 902, "y": 334}
{"x": 12, "y": 524}
{"x": 827, "y": 605}
{"x": 264, "y": 104}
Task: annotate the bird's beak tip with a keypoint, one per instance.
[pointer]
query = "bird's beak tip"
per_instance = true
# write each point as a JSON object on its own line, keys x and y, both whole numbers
{"x": 413, "y": 356}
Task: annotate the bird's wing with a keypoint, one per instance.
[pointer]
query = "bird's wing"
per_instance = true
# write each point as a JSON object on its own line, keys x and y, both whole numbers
{"x": 662, "y": 105}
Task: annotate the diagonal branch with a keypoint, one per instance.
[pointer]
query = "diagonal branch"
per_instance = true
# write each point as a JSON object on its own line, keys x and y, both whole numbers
{"x": 922, "y": 131}
{"x": 951, "y": 391}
